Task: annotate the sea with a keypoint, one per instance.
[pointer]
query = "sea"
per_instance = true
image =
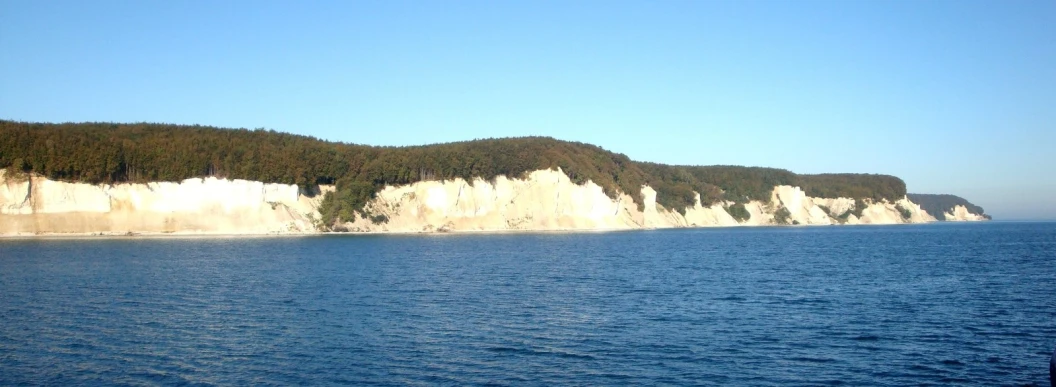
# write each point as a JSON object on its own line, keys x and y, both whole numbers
{"x": 936, "y": 304}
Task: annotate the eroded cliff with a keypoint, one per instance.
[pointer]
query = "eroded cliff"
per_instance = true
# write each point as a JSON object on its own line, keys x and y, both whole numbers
{"x": 544, "y": 200}
{"x": 35, "y": 205}
{"x": 948, "y": 207}
{"x": 963, "y": 214}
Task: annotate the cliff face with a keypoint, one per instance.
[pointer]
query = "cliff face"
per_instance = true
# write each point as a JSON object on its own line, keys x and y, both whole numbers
{"x": 961, "y": 213}
{"x": 545, "y": 200}
{"x": 949, "y": 207}
{"x": 548, "y": 200}
{"x": 35, "y": 205}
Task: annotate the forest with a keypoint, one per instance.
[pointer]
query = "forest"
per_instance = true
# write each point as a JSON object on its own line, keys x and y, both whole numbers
{"x": 146, "y": 152}
{"x": 939, "y": 205}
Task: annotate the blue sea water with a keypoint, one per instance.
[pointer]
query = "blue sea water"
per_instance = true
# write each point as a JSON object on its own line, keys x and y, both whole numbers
{"x": 937, "y": 304}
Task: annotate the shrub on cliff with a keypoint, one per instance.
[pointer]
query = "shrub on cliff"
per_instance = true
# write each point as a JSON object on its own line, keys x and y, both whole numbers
{"x": 738, "y": 212}
{"x": 782, "y": 216}
{"x": 905, "y": 212}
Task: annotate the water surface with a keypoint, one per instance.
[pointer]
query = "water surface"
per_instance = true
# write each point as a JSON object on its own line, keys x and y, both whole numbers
{"x": 938, "y": 304}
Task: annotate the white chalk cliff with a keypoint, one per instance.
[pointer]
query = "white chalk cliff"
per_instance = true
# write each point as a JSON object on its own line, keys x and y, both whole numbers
{"x": 548, "y": 200}
{"x": 36, "y": 205}
{"x": 544, "y": 200}
{"x": 961, "y": 213}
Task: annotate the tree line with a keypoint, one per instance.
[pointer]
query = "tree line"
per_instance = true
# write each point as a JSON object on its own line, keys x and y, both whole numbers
{"x": 145, "y": 152}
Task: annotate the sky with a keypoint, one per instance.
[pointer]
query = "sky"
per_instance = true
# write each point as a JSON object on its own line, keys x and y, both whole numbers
{"x": 952, "y": 96}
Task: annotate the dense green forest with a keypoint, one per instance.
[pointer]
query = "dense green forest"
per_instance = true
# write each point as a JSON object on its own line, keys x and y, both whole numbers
{"x": 113, "y": 153}
{"x": 938, "y": 205}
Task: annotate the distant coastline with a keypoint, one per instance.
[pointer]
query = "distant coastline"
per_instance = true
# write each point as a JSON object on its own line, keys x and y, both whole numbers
{"x": 158, "y": 179}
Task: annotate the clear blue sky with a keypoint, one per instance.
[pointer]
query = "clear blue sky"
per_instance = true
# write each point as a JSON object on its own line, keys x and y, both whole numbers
{"x": 952, "y": 96}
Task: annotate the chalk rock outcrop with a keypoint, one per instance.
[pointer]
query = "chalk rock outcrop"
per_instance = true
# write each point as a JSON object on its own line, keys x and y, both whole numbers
{"x": 948, "y": 207}
{"x": 549, "y": 200}
{"x": 35, "y": 205}
{"x": 543, "y": 200}
{"x": 962, "y": 214}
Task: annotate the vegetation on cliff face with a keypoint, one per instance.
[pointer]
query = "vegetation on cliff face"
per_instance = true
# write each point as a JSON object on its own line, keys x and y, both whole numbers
{"x": 782, "y": 216}
{"x": 738, "y": 212}
{"x": 939, "y": 205}
{"x": 115, "y": 153}
{"x": 904, "y": 212}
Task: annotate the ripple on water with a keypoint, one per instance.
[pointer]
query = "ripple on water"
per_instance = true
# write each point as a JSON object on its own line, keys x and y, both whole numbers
{"x": 913, "y": 305}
